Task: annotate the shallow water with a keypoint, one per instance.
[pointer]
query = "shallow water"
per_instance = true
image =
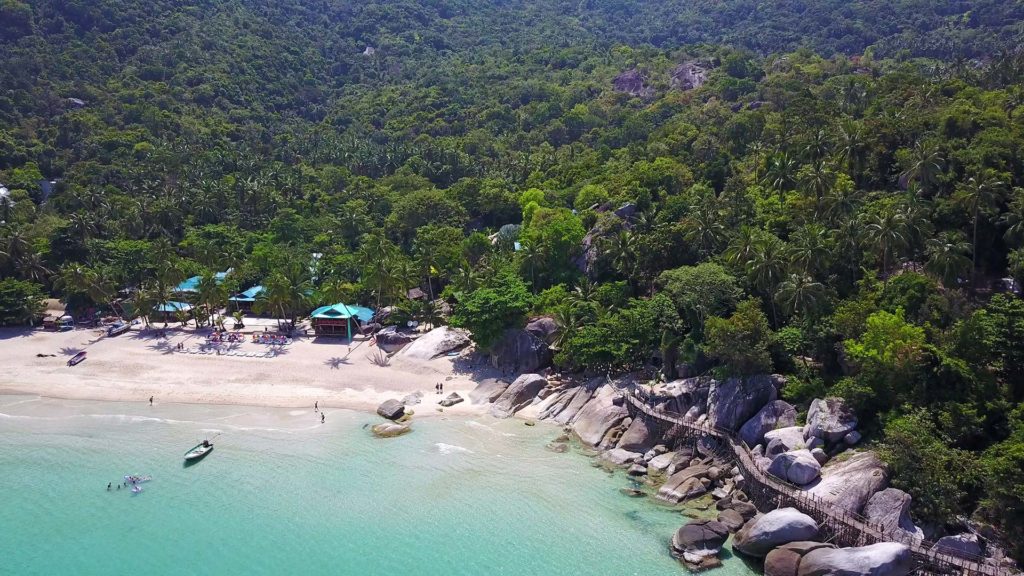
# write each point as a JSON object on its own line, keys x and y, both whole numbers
{"x": 283, "y": 494}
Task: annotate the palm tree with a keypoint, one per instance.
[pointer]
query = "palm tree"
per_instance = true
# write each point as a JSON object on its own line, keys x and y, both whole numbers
{"x": 809, "y": 248}
{"x": 377, "y": 257}
{"x": 852, "y": 147}
{"x": 979, "y": 195}
{"x": 887, "y": 231}
{"x": 801, "y": 293}
{"x": 15, "y": 247}
{"x": 924, "y": 165}
{"x": 742, "y": 246}
{"x": 817, "y": 180}
{"x": 212, "y": 293}
{"x": 31, "y": 267}
{"x": 621, "y": 249}
{"x": 276, "y": 297}
{"x": 703, "y": 227}
{"x": 947, "y": 258}
{"x": 1013, "y": 218}
{"x": 766, "y": 268}
{"x": 531, "y": 256}
{"x": 819, "y": 146}
{"x": 568, "y": 321}
{"x": 781, "y": 173}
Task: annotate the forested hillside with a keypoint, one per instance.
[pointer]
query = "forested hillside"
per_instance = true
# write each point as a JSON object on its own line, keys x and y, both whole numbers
{"x": 840, "y": 201}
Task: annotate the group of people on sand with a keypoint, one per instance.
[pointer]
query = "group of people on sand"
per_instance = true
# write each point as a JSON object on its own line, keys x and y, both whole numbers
{"x": 439, "y": 388}
{"x": 316, "y": 408}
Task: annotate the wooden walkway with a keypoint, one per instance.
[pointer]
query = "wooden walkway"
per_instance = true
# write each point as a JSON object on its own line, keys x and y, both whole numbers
{"x": 839, "y": 526}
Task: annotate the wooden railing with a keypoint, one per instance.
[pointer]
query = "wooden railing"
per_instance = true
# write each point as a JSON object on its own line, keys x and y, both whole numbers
{"x": 841, "y": 527}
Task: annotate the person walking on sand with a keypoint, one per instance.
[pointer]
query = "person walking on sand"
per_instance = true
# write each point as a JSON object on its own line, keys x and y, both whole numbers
{"x": 150, "y": 400}
{"x": 316, "y": 406}
{"x": 321, "y": 417}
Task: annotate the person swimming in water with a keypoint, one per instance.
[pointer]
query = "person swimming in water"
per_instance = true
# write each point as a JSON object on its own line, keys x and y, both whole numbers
{"x": 109, "y": 484}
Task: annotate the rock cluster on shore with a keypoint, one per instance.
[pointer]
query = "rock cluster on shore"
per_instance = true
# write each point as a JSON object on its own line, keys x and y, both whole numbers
{"x": 819, "y": 458}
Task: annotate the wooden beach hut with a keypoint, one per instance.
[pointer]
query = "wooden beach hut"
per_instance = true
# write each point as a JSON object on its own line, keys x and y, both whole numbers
{"x": 168, "y": 311}
{"x": 245, "y": 300}
{"x": 337, "y": 319}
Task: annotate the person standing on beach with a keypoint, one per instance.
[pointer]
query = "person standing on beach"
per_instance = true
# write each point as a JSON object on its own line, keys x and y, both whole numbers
{"x": 150, "y": 400}
{"x": 316, "y": 406}
{"x": 321, "y": 417}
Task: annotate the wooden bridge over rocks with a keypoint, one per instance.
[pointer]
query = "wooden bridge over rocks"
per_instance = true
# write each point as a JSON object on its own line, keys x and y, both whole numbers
{"x": 838, "y": 526}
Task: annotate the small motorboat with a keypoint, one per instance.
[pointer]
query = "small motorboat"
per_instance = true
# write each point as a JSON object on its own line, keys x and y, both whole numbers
{"x": 76, "y": 358}
{"x": 199, "y": 451}
{"x": 137, "y": 478}
{"x": 117, "y": 328}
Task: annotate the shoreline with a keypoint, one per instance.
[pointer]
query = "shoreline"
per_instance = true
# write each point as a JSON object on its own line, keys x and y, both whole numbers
{"x": 139, "y": 364}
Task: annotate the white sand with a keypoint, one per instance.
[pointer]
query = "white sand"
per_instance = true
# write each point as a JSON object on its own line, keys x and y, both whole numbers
{"x": 137, "y": 365}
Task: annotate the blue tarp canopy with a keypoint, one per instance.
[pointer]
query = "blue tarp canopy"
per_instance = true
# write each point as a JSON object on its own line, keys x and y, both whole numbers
{"x": 343, "y": 311}
{"x": 173, "y": 307}
{"x": 192, "y": 284}
{"x": 249, "y": 295}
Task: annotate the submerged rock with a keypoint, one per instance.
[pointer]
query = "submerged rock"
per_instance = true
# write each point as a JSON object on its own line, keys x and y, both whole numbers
{"x": 390, "y": 429}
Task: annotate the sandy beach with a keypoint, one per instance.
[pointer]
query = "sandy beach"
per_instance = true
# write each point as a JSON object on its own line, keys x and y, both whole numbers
{"x": 139, "y": 364}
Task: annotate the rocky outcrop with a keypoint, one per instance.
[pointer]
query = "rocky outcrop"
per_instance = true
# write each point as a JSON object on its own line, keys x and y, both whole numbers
{"x": 390, "y": 429}
{"x": 732, "y": 519}
{"x": 518, "y": 395}
{"x": 829, "y": 419}
{"x": 435, "y": 343}
{"x": 602, "y": 413}
{"x": 634, "y": 83}
{"x": 661, "y": 462}
{"x": 733, "y": 401}
{"x": 620, "y": 457}
{"x": 641, "y": 435}
{"x": 520, "y": 351}
{"x": 684, "y": 484}
{"x": 890, "y": 509}
{"x": 568, "y": 406}
{"x": 849, "y": 482}
{"x": 391, "y": 340}
{"x": 797, "y": 467}
{"x": 962, "y": 545}
{"x": 391, "y": 409}
{"x": 488, "y": 390}
{"x": 785, "y": 560}
{"x": 775, "y": 414}
{"x": 783, "y": 440}
{"x": 688, "y": 76}
{"x": 700, "y": 535}
{"x": 451, "y": 400}
{"x": 882, "y": 559}
{"x": 763, "y": 533}
{"x": 543, "y": 327}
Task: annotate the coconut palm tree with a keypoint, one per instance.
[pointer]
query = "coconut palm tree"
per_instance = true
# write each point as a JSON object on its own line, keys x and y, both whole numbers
{"x": 947, "y": 258}
{"x": 767, "y": 267}
{"x": 531, "y": 256}
{"x": 887, "y": 232}
{"x": 212, "y": 293}
{"x": 703, "y": 227}
{"x": 621, "y": 250}
{"x": 852, "y": 148}
{"x": 924, "y": 165}
{"x": 979, "y": 196}
{"x": 800, "y": 293}
{"x": 780, "y": 174}
{"x": 810, "y": 248}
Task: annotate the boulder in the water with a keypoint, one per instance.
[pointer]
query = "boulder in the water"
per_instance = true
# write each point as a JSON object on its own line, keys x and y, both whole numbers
{"x": 390, "y": 429}
{"x": 700, "y": 535}
{"x": 391, "y": 409}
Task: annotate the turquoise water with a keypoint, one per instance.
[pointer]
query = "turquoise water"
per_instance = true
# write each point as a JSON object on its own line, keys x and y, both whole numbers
{"x": 283, "y": 494}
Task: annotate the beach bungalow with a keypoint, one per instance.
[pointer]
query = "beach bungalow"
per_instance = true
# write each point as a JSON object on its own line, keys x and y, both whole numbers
{"x": 337, "y": 319}
{"x": 168, "y": 310}
{"x": 191, "y": 285}
{"x": 244, "y": 300}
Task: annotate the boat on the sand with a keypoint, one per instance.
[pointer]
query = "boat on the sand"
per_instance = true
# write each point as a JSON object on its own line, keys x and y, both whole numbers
{"x": 198, "y": 451}
{"x": 76, "y": 358}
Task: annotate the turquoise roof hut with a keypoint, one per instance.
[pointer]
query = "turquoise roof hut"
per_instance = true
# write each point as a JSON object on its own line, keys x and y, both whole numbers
{"x": 336, "y": 319}
{"x": 244, "y": 300}
{"x": 191, "y": 285}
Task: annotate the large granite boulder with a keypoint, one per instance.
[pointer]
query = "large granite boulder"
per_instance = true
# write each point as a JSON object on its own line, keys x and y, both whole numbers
{"x": 882, "y": 559}
{"x": 688, "y": 76}
{"x": 775, "y": 414}
{"x": 634, "y": 83}
{"x": 543, "y": 327}
{"x": 598, "y": 416}
{"x": 783, "y": 440}
{"x": 661, "y": 462}
{"x": 890, "y": 509}
{"x": 451, "y": 400}
{"x": 700, "y": 535}
{"x": 641, "y": 435}
{"x": 488, "y": 390}
{"x": 518, "y": 395}
{"x": 962, "y": 545}
{"x": 733, "y": 401}
{"x": 849, "y": 482}
{"x": 785, "y": 560}
{"x": 435, "y": 343}
{"x": 684, "y": 484}
{"x": 391, "y": 340}
{"x": 391, "y": 409}
{"x": 620, "y": 457}
{"x": 797, "y": 467}
{"x": 732, "y": 519}
{"x": 830, "y": 419}
{"x": 576, "y": 403}
{"x": 780, "y": 526}
{"x": 520, "y": 351}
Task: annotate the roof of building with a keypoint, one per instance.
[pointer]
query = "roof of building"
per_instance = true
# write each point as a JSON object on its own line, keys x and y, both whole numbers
{"x": 192, "y": 284}
{"x": 173, "y": 307}
{"x": 342, "y": 311}
{"x": 249, "y": 295}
